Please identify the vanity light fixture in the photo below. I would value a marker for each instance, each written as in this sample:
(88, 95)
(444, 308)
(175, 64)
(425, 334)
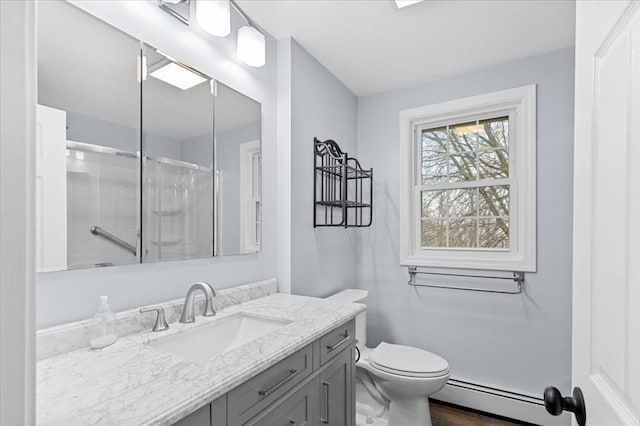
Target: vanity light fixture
(179, 9)
(177, 76)
(404, 3)
(214, 17)
(251, 46)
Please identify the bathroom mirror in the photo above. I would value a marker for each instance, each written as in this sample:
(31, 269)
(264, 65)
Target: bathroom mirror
(88, 143)
(238, 172)
(177, 171)
(125, 151)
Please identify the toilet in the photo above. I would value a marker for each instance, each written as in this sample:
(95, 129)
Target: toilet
(393, 381)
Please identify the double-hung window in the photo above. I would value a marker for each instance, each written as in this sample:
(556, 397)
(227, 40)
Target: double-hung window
(468, 183)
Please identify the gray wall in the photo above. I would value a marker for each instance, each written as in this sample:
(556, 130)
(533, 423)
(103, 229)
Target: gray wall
(72, 295)
(323, 260)
(516, 342)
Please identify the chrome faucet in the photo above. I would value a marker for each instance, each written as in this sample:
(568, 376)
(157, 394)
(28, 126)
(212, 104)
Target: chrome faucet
(189, 302)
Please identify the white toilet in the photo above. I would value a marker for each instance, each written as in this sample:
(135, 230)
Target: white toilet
(393, 381)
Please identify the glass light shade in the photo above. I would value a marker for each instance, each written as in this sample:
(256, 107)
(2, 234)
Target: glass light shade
(214, 16)
(251, 46)
(404, 3)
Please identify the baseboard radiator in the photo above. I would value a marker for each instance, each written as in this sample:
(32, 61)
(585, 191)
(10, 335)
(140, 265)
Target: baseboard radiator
(500, 402)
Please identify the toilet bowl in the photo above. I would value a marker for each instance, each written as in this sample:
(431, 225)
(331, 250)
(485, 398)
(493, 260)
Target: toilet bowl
(393, 381)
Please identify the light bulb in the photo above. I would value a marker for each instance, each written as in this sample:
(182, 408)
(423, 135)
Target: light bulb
(251, 46)
(214, 16)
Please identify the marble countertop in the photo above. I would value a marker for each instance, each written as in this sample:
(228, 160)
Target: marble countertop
(132, 383)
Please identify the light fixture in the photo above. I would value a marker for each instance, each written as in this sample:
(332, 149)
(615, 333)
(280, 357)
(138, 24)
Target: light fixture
(404, 3)
(177, 76)
(177, 8)
(214, 16)
(251, 46)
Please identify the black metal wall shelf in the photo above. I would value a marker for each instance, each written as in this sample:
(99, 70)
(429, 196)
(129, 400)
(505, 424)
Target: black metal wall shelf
(342, 189)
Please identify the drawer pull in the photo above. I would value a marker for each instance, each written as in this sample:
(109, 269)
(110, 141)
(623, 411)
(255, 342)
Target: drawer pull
(272, 389)
(325, 420)
(332, 348)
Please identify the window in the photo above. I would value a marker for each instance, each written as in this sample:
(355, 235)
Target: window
(250, 197)
(468, 182)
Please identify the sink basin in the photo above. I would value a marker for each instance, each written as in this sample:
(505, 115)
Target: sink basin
(206, 341)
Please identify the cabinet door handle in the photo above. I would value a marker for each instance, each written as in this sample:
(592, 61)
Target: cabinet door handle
(278, 385)
(332, 348)
(325, 420)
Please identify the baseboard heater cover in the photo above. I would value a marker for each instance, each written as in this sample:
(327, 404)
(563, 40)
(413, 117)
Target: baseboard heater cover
(500, 402)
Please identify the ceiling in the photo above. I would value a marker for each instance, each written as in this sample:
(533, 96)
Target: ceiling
(371, 46)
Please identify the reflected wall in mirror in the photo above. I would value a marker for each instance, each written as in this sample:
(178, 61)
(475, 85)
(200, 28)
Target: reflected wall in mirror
(87, 149)
(238, 172)
(177, 177)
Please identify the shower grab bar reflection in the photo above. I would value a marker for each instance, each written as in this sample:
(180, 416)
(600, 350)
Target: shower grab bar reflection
(96, 230)
(518, 278)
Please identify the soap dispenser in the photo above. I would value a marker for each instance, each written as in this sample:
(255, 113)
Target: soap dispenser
(103, 325)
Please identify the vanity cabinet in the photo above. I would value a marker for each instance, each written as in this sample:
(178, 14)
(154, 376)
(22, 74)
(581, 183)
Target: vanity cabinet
(300, 408)
(337, 391)
(312, 387)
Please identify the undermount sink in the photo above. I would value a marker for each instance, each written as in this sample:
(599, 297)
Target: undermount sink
(206, 341)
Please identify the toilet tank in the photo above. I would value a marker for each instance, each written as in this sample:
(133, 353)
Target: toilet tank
(355, 295)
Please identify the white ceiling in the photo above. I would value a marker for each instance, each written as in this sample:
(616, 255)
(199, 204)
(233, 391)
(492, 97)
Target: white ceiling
(371, 46)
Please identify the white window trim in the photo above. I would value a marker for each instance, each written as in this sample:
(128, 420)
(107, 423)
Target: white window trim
(249, 241)
(521, 104)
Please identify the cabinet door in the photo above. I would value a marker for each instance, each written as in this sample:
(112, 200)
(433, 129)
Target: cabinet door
(299, 409)
(202, 417)
(337, 397)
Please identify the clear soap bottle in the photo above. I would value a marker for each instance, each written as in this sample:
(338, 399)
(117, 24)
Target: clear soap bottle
(103, 325)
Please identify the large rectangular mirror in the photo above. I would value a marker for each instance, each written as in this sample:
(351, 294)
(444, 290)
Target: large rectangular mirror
(126, 142)
(177, 146)
(88, 118)
(238, 172)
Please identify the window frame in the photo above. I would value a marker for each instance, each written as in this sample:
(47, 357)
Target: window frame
(520, 105)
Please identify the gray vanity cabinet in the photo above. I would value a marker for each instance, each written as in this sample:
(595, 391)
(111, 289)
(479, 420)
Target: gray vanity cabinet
(312, 387)
(299, 409)
(337, 391)
(200, 417)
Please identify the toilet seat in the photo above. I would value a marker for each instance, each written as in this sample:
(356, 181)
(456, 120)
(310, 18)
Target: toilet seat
(407, 361)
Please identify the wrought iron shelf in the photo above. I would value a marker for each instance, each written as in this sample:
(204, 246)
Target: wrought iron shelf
(343, 190)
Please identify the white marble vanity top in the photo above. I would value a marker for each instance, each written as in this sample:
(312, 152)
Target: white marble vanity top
(132, 383)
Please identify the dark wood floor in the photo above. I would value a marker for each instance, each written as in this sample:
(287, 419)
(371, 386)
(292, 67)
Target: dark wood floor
(449, 415)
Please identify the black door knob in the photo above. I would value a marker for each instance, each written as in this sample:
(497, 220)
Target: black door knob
(555, 404)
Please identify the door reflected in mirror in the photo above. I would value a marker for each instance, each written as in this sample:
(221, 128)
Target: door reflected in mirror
(177, 145)
(87, 150)
(238, 167)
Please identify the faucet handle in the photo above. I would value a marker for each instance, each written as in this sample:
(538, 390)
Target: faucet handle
(161, 322)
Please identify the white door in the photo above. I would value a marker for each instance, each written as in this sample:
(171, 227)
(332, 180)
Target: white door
(606, 242)
(51, 189)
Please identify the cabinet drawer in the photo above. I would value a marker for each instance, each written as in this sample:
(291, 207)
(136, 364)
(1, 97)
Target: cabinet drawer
(299, 409)
(332, 343)
(251, 397)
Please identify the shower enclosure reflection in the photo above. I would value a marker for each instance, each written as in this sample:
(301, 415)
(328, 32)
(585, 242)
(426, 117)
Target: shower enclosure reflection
(87, 151)
(177, 146)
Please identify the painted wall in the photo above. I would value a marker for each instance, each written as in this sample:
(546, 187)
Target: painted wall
(516, 342)
(72, 295)
(323, 260)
